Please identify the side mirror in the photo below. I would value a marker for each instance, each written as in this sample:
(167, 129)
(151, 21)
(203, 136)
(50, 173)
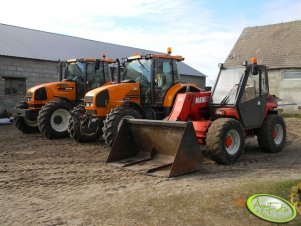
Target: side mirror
(97, 65)
(254, 69)
(123, 64)
(61, 69)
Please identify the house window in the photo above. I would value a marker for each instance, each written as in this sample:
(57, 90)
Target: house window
(14, 86)
(292, 75)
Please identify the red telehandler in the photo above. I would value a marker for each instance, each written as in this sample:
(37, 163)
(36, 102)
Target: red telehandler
(238, 107)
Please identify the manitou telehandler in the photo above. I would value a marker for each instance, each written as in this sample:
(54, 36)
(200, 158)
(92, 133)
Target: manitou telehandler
(150, 85)
(46, 107)
(239, 106)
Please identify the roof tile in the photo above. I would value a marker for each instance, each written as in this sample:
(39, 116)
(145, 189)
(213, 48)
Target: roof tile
(276, 45)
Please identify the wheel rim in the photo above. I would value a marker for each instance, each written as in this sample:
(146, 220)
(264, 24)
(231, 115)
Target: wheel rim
(277, 134)
(60, 120)
(31, 123)
(121, 120)
(232, 142)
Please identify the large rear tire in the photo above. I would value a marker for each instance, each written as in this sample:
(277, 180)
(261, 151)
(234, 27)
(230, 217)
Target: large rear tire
(53, 119)
(23, 124)
(225, 140)
(271, 136)
(83, 135)
(114, 120)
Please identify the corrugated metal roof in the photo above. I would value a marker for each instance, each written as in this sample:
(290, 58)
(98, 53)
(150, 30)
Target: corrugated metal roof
(34, 44)
(276, 45)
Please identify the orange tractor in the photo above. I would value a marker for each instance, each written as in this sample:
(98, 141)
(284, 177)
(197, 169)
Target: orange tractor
(150, 85)
(239, 106)
(46, 107)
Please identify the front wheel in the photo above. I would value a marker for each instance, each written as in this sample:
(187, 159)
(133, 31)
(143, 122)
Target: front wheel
(82, 132)
(24, 124)
(271, 136)
(225, 140)
(53, 119)
(114, 120)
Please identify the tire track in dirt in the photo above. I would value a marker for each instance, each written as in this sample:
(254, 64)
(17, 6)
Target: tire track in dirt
(59, 182)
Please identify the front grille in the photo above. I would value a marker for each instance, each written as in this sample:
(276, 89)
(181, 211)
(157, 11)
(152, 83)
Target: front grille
(40, 94)
(102, 99)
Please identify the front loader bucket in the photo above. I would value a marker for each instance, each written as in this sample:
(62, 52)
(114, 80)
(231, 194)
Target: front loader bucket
(159, 148)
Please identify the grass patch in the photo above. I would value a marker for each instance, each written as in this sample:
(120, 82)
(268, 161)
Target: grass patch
(288, 115)
(281, 188)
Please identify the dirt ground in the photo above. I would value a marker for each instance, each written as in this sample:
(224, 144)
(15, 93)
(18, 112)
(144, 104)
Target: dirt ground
(60, 182)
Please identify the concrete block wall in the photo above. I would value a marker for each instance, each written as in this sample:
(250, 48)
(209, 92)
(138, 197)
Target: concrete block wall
(34, 71)
(288, 90)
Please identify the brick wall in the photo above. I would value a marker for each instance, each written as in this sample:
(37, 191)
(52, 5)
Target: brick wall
(287, 90)
(34, 71)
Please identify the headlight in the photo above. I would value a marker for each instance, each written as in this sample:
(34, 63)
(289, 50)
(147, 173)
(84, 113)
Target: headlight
(29, 96)
(88, 104)
(219, 112)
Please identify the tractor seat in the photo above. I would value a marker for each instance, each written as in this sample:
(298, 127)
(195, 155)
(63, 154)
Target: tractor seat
(249, 93)
(161, 80)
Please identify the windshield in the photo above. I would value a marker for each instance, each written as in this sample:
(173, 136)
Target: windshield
(75, 71)
(227, 86)
(139, 71)
(95, 76)
(98, 77)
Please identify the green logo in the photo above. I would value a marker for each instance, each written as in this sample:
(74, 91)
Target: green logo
(271, 208)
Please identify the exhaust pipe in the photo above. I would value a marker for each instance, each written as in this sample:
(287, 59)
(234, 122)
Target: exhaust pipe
(160, 148)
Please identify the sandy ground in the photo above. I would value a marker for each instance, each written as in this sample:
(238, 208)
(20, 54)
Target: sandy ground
(60, 182)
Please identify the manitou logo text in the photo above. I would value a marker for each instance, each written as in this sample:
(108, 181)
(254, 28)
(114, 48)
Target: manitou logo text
(200, 100)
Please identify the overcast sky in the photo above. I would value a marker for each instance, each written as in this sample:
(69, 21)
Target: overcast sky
(202, 31)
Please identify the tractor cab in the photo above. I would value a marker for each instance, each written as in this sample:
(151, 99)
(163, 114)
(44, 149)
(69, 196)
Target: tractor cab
(87, 73)
(155, 73)
(46, 106)
(150, 84)
(241, 93)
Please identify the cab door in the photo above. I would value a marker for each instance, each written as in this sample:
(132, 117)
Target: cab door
(252, 103)
(164, 79)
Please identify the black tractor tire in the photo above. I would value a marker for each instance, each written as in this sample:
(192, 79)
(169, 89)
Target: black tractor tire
(83, 136)
(21, 123)
(223, 132)
(268, 143)
(49, 126)
(113, 122)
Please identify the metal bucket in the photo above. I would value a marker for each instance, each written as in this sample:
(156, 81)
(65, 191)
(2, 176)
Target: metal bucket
(159, 148)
